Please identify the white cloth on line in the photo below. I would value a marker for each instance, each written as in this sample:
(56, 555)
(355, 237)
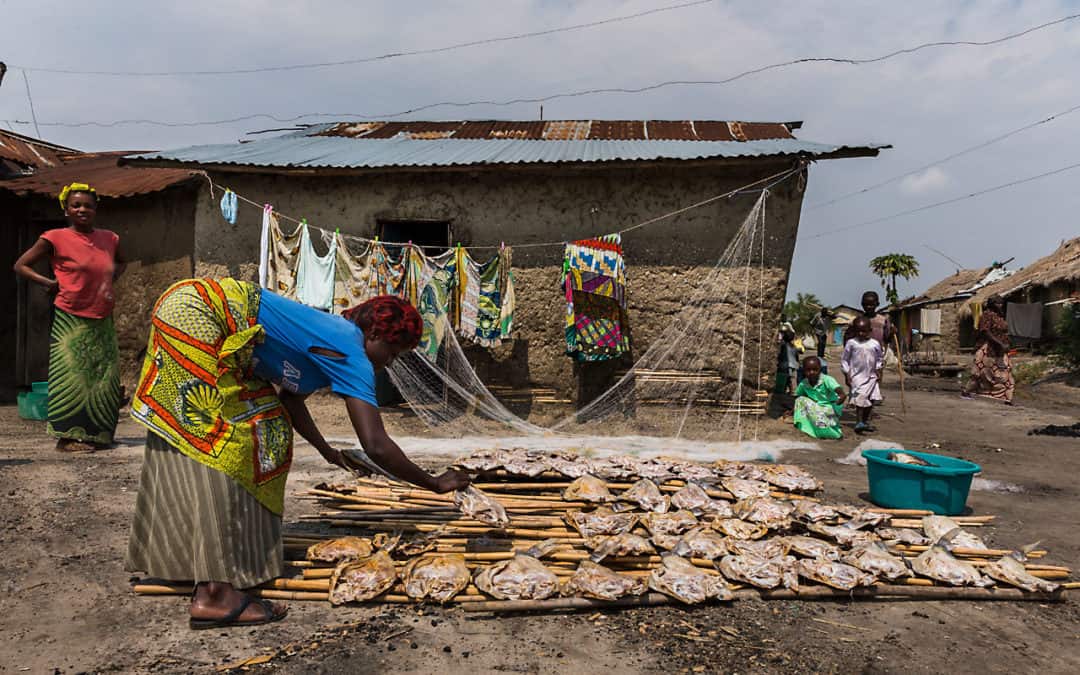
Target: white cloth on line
(930, 321)
(264, 247)
(315, 273)
(1025, 319)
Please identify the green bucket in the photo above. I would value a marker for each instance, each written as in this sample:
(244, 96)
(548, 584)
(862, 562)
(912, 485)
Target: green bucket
(39, 387)
(941, 488)
(33, 405)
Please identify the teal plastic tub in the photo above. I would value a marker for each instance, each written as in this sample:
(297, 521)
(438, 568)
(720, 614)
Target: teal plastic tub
(33, 405)
(941, 488)
(39, 387)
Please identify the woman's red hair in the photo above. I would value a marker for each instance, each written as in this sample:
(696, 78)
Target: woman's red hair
(388, 318)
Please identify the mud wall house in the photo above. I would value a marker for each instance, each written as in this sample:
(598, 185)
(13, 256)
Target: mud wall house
(484, 183)
(842, 317)
(936, 312)
(152, 210)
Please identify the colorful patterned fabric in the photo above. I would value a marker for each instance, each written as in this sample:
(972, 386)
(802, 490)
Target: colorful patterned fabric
(817, 408)
(197, 392)
(360, 278)
(991, 373)
(84, 378)
(434, 310)
(595, 285)
(283, 256)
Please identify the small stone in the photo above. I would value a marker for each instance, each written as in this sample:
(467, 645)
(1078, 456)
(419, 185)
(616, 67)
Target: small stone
(447, 649)
(464, 655)
(413, 645)
(391, 648)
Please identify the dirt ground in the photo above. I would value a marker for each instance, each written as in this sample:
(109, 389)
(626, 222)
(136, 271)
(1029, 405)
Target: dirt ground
(66, 607)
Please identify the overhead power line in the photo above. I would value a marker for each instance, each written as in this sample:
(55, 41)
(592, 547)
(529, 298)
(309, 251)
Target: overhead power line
(945, 202)
(942, 160)
(571, 94)
(368, 59)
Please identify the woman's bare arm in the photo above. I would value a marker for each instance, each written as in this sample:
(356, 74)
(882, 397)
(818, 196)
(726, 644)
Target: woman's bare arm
(305, 426)
(24, 266)
(382, 450)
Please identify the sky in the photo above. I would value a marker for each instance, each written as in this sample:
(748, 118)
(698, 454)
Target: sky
(928, 105)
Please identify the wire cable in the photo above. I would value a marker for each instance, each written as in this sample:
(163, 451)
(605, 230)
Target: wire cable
(947, 158)
(30, 98)
(945, 202)
(368, 59)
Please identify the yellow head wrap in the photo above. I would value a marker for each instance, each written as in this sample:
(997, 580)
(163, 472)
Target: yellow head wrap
(75, 187)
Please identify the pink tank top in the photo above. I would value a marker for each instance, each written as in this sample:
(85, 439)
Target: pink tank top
(83, 264)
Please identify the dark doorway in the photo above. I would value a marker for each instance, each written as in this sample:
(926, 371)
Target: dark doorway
(433, 237)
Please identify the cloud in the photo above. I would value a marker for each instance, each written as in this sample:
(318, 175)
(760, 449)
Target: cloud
(931, 180)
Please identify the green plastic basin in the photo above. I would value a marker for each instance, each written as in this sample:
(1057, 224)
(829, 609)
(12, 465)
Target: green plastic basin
(942, 488)
(33, 405)
(39, 387)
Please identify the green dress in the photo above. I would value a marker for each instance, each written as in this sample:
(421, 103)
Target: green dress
(817, 408)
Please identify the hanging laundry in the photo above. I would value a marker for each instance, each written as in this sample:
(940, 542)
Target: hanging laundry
(283, 253)
(228, 206)
(361, 277)
(495, 311)
(264, 246)
(467, 293)
(315, 273)
(1025, 319)
(435, 298)
(595, 284)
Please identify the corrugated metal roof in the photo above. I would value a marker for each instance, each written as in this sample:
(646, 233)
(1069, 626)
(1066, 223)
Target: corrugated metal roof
(100, 171)
(315, 149)
(30, 152)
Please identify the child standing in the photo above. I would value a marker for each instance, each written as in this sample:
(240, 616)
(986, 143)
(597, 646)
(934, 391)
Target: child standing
(818, 403)
(787, 362)
(862, 362)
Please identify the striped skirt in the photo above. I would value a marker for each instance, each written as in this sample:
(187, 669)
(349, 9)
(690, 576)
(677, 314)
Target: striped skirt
(193, 523)
(84, 378)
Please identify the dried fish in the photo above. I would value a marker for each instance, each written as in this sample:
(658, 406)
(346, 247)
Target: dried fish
(949, 533)
(596, 581)
(362, 580)
(421, 543)
(739, 529)
(645, 494)
(760, 572)
(680, 579)
(937, 563)
(903, 535)
(1010, 569)
(475, 504)
(772, 513)
(694, 499)
(790, 477)
(834, 574)
(675, 522)
(866, 517)
(744, 488)
(738, 469)
(813, 512)
(841, 534)
(527, 464)
(812, 547)
(438, 577)
(655, 470)
(775, 547)
(523, 577)
(618, 545)
(601, 520)
(337, 550)
(701, 542)
(588, 488)
(905, 458)
(571, 467)
(612, 468)
(874, 558)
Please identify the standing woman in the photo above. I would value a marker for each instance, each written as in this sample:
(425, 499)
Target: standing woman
(228, 368)
(84, 374)
(991, 371)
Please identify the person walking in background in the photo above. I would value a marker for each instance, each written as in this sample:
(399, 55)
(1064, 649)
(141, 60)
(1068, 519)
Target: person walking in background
(819, 325)
(819, 400)
(862, 363)
(991, 371)
(84, 372)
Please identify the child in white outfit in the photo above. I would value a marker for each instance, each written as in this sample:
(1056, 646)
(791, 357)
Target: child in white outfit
(861, 363)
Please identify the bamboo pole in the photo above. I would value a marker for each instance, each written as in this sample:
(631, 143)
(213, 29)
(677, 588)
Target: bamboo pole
(900, 370)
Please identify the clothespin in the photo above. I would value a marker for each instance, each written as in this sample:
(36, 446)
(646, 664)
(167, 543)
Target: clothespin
(502, 245)
(337, 230)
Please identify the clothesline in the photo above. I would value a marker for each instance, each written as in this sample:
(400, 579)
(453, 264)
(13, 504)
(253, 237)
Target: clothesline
(749, 188)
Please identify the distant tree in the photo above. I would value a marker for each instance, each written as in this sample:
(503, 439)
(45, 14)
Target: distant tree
(1066, 349)
(801, 310)
(893, 265)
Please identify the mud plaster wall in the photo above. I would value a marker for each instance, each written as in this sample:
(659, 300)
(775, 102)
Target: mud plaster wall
(156, 237)
(521, 206)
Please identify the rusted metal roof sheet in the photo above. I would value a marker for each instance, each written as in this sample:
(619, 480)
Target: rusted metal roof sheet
(566, 130)
(100, 170)
(30, 152)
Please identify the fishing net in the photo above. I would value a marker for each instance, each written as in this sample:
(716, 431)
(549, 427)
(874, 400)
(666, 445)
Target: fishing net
(699, 379)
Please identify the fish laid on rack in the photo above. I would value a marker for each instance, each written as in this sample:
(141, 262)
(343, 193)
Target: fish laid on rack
(835, 574)
(362, 580)
(760, 572)
(421, 543)
(475, 504)
(813, 512)
(523, 577)
(691, 471)
(483, 460)
(773, 547)
(666, 528)
(867, 518)
(937, 563)
(341, 549)
(613, 468)
(772, 513)
(1010, 569)
(679, 578)
(601, 521)
(874, 558)
(646, 495)
(568, 464)
(791, 478)
(728, 468)
(694, 499)
(903, 535)
(588, 488)
(618, 545)
(655, 470)
(744, 488)
(525, 463)
(438, 577)
(813, 547)
(842, 534)
(739, 529)
(701, 542)
(948, 532)
(596, 581)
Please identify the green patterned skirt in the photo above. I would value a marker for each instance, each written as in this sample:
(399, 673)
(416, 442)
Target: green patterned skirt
(84, 378)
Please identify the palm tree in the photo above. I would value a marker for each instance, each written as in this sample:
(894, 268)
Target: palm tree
(893, 265)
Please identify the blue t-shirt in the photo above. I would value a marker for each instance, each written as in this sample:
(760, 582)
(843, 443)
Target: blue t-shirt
(285, 359)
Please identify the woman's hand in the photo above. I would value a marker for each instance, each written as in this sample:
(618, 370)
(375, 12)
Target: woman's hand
(451, 480)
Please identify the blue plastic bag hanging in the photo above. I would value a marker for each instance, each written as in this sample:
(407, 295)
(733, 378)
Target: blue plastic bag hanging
(228, 206)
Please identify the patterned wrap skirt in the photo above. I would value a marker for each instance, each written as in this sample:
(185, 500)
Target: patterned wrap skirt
(84, 378)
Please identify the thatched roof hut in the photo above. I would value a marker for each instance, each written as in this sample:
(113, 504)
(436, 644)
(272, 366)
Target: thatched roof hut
(1055, 277)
